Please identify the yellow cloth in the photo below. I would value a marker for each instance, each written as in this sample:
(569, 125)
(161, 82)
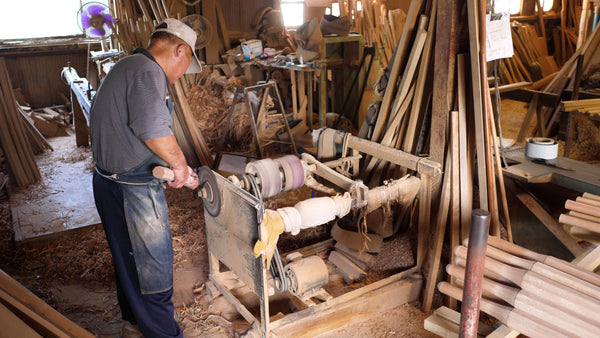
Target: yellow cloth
(271, 227)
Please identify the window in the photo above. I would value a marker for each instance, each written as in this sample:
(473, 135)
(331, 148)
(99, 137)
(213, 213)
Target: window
(292, 12)
(40, 18)
(514, 6)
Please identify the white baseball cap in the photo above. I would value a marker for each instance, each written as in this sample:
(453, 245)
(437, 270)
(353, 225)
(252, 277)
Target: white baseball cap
(185, 33)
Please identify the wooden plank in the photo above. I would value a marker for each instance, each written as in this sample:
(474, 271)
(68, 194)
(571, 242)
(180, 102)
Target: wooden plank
(13, 326)
(445, 322)
(444, 69)
(466, 165)
(455, 193)
(417, 111)
(223, 26)
(49, 320)
(501, 179)
(550, 223)
(390, 90)
(200, 145)
(350, 271)
(589, 259)
(531, 110)
(212, 49)
(572, 174)
(294, 94)
(438, 238)
(376, 297)
(503, 331)
(477, 102)
(364, 257)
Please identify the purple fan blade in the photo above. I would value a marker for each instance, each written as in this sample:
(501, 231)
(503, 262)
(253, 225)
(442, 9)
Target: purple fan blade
(108, 18)
(94, 9)
(97, 32)
(85, 21)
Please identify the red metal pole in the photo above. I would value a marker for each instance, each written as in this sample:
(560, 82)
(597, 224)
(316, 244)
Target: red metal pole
(469, 315)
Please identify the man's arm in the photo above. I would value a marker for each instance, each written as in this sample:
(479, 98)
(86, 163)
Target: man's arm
(168, 149)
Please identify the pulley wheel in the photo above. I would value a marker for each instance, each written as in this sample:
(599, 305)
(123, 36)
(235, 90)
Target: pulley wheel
(209, 191)
(288, 175)
(297, 171)
(267, 172)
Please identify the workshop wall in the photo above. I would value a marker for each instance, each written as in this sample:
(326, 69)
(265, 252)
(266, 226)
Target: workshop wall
(37, 71)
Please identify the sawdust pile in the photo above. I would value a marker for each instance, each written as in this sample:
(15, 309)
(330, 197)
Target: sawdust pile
(210, 104)
(586, 145)
(83, 256)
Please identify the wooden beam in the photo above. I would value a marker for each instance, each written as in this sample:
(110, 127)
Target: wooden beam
(477, 102)
(42, 315)
(444, 68)
(435, 252)
(212, 49)
(564, 237)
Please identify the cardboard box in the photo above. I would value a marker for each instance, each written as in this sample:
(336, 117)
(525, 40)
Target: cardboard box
(252, 49)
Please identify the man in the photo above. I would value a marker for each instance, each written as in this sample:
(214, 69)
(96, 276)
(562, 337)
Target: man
(130, 131)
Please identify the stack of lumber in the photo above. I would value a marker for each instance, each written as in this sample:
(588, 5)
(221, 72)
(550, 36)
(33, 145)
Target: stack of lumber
(590, 106)
(571, 34)
(379, 26)
(13, 135)
(535, 294)
(37, 140)
(427, 97)
(22, 314)
(352, 264)
(530, 61)
(50, 122)
(567, 76)
(583, 217)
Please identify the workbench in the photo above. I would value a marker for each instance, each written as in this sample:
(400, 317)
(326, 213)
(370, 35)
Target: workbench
(568, 173)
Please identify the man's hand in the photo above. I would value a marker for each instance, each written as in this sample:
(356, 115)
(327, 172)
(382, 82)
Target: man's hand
(181, 178)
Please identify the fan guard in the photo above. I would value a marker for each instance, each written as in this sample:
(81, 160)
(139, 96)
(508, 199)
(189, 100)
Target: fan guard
(94, 20)
(202, 27)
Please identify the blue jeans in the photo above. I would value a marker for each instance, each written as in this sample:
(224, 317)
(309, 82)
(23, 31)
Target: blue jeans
(136, 223)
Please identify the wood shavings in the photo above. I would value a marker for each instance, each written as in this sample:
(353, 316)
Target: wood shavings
(210, 109)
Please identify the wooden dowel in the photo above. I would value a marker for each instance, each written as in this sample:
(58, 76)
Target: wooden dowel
(589, 201)
(513, 318)
(582, 207)
(591, 196)
(542, 287)
(579, 222)
(584, 216)
(544, 311)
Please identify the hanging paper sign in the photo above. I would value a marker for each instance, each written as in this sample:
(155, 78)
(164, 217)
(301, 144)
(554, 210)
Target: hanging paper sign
(498, 40)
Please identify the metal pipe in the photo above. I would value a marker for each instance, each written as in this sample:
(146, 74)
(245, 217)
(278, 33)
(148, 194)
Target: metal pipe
(469, 316)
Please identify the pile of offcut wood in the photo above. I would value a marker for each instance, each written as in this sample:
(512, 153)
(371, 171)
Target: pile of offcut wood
(14, 138)
(51, 121)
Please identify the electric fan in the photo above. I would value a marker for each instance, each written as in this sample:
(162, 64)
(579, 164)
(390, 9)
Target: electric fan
(202, 27)
(94, 20)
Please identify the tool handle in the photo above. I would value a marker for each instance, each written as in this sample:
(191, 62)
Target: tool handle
(166, 174)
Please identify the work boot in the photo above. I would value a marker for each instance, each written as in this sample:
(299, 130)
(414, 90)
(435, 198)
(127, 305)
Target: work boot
(130, 331)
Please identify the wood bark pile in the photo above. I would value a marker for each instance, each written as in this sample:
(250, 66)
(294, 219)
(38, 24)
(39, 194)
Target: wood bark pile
(537, 295)
(14, 139)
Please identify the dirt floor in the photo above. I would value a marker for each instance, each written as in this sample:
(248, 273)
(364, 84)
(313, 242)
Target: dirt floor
(72, 271)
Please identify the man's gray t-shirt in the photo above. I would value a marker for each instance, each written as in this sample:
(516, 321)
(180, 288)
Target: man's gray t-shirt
(128, 109)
